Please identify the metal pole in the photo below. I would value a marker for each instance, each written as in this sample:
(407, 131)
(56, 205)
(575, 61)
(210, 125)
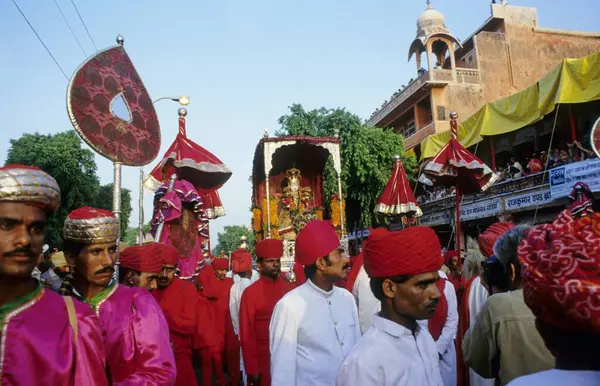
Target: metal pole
(117, 209)
(341, 207)
(141, 207)
(268, 208)
(161, 226)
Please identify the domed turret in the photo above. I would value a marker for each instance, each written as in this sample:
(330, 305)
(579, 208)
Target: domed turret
(431, 25)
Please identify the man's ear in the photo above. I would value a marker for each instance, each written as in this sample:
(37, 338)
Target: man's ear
(70, 258)
(512, 272)
(130, 276)
(388, 288)
(321, 264)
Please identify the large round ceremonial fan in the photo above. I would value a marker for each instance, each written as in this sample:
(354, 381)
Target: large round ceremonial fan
(111, 109)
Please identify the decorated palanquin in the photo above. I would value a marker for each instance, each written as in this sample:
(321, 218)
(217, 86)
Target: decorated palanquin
(287, 188)
(186, 183)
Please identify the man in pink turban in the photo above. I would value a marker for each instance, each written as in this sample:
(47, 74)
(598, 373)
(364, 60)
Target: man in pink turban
(561, 282)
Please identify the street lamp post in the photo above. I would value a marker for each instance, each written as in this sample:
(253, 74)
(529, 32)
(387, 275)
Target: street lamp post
(183, 101)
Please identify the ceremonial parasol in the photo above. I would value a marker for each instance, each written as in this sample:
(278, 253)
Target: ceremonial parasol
(456, 166)
(190, 162)
(595, 137)
(397, 198)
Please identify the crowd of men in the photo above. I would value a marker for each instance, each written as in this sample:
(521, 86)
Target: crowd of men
(404, 315)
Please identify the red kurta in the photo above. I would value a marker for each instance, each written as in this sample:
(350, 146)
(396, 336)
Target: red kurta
(257, 305)
(179, 304)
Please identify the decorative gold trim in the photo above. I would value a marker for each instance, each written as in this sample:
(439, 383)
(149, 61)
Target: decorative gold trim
(92, 231)
(5, 323)
(29, 185)
(97, 307)
(399, 209)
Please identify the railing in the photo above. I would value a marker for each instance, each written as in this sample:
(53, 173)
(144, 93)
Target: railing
(441, 75)
(467, 75)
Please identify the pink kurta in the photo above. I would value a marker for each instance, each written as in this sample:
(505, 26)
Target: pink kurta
(137, 343)
(37, 346)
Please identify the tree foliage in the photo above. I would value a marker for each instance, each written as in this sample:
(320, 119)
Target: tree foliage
(229, 239)
(74, 168)
(366, 157)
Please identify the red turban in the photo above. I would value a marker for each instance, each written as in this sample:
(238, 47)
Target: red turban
(141, 258)
(560, 266)
(411, 251)
(269, 249)
(220, 263)
(488, 238)
(169, 255)
(317, 239)
(241, 261)
(448, 256)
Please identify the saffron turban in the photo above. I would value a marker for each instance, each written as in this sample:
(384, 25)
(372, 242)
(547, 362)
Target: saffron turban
(408, 252)
(241, 261)
(448, 256)
(560, 266)
(169, 255)
(89, 225)
(488, 238)
(141, 258)
(220, 263)
(317, 239)
(28, 184)
(269, 249)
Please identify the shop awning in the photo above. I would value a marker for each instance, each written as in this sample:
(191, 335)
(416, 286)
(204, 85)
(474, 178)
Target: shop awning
(572, 81)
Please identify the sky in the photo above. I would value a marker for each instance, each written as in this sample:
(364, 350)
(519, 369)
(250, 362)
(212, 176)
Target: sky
(242, 63)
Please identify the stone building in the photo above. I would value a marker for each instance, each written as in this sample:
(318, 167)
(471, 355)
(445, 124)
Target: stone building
(508, 53)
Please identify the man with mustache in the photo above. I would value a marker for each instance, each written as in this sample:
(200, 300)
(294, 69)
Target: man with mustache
(397, 350)
(135, 329)
(33, 319)
(314, 326)
(139, 266)
(257, 305)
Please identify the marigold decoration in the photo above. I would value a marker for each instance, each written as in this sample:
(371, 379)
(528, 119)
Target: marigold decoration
(320, 214)
(335, 212)
(256, 219)
(274, 219)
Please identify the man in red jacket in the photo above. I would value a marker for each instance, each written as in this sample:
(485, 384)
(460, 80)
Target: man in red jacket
(258, 303)
(178, 300)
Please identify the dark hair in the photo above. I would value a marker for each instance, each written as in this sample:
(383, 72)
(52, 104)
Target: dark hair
(259, 260)
(377, 285)
(494, 274)
(123, 271)
(73, 247)
(311, 270)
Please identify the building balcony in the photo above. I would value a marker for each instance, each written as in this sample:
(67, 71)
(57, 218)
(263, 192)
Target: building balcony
(398, 99)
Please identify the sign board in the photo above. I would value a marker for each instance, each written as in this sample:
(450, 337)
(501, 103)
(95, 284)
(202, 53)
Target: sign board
(563, 178)
(528, 199)
(435, 218)
(481, 209)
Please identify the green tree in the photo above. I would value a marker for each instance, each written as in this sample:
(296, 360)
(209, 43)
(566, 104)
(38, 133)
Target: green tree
(74, 168)
(229, 239)
(366, 157)
(131, 234)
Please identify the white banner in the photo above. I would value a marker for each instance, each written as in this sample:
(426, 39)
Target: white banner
(563, 178)
(435, 218)
(527, 199)
(481, 209)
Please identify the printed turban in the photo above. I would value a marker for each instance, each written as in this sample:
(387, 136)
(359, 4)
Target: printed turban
(408, 252)
(141, 258)
(488, 238)
(269, 249)
(317, 239)
(169, 255)
(241, 261)
(27, 184)
(560, 266)
(220, 263)
(91, 226)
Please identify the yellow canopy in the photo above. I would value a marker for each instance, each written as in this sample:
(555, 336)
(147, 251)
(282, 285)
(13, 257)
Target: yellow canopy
(572, 81)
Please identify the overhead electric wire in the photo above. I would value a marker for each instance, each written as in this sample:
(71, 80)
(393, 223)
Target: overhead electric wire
(40, 39)
(70, 29)
(84, 26)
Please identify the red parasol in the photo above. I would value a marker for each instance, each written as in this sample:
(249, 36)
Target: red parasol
(397, 197)
(456, 166)
(190, 162)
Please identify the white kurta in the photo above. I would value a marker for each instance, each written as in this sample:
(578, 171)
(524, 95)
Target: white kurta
(235, 300)
(367, 303)
(445, 343)
(556, 377)
(311, 332)
(390, 355)
(236, 278)
(477, 297)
